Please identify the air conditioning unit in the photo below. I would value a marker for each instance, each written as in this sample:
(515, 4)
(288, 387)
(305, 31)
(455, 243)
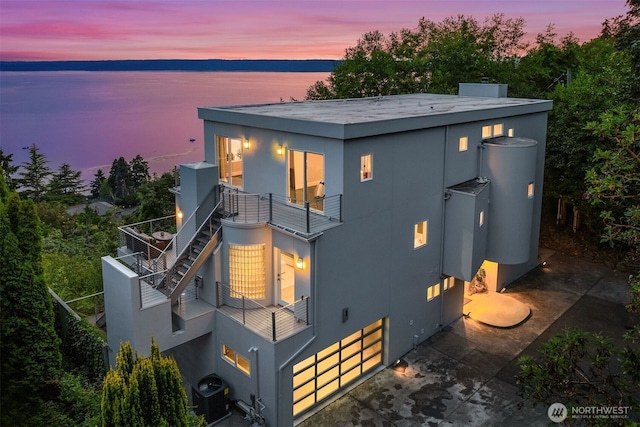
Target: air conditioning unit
(211, 398)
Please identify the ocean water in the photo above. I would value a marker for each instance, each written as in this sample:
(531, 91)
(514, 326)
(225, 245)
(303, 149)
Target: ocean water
(87, 119)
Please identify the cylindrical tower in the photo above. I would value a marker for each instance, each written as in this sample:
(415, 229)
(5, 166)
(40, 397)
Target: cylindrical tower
(510, 164)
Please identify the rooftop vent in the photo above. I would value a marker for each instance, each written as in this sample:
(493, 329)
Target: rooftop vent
(484, 89)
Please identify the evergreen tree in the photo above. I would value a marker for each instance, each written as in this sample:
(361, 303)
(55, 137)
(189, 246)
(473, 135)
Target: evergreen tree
(145, 391)
(66, 186)
(119, 179)
(138, 172)
(31, 360)
(96, 184)
(33, 181)
(8, 169)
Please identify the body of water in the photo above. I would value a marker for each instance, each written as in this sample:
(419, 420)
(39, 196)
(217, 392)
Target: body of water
(87, 119)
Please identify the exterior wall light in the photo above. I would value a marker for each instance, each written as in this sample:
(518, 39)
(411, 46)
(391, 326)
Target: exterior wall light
(179, 214)
(246, 144)
(300, 263)
(280, 150)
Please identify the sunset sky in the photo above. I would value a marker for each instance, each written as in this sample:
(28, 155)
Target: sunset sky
(34, 30)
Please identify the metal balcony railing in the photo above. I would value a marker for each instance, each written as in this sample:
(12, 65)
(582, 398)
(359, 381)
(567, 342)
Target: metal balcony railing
(301, 217)
(272, 322)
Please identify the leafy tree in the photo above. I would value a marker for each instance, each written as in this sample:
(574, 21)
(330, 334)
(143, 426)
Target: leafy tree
(8, 169)
(96, 185)
(434, 57)
(155, 199)
(31, 360)
(66, 186)
(33, 181)
(578, 368)
(614, 186)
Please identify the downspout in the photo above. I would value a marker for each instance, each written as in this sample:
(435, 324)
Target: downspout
(312, 275)
(445, 197)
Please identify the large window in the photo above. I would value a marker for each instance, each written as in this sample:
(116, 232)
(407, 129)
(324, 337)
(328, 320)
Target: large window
(247, 271)
(230, 160)
(319, 376)
(306, 179)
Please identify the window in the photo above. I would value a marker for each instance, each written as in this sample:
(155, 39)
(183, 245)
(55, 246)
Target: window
(247, 271)
(236, 360)
(510, 132)
(449, 283)
(366, 169)
(420, 234)
(481, 219)
(491, 131)
(306, 179)
(463, 143)
(230, 160)
(433, 291)
(530, 190)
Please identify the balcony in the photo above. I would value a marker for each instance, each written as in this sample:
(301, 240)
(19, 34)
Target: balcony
(306, 219)
(272, 322)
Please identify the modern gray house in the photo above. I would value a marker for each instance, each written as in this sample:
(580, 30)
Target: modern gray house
(319, 241)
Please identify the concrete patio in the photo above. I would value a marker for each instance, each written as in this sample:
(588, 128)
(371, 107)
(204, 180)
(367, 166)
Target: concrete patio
(465, 375)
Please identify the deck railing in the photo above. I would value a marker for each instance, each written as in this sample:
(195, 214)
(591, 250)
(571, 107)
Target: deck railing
(306, 217)
(272, 322)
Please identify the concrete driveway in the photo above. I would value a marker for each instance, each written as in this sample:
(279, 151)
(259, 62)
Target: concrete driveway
(465, 375)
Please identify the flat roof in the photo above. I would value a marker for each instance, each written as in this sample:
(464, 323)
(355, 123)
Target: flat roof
(359, 117)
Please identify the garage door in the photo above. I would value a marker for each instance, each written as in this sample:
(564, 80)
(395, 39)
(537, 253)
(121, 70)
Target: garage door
(321, 375)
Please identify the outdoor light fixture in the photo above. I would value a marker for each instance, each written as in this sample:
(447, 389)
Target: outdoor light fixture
(280, 150)
(246, 144)
(300, 263)
(179, 214)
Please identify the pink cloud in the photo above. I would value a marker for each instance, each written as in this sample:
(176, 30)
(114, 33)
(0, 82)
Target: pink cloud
(114, 29)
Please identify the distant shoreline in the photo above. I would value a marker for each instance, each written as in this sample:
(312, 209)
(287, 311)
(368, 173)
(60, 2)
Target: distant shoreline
(264, 65)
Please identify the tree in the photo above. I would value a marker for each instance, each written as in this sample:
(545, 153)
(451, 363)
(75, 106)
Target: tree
(145, 391)
(434, 57)
(96, 185)
(33, 181)
(138, 172)
(31, 360)
(119, 179)
(66, 186)
(155, 199)
(8, 169)
(614, 186)
(581, 369)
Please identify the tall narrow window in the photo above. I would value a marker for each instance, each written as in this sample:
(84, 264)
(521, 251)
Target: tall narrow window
(510, 132)
(420, 234)
(247, 271)
(497, 129)
(463, 143)
(230, 160)
(481, 219)
(366, 167)
(530, 190)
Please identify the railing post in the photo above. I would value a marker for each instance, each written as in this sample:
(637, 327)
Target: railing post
(340, 207)
(306, 207)
(270, 207)
(243, 312)
(306, 315)
(273, 325)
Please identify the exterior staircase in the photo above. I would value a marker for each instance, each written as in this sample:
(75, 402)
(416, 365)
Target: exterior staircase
(187, 264)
